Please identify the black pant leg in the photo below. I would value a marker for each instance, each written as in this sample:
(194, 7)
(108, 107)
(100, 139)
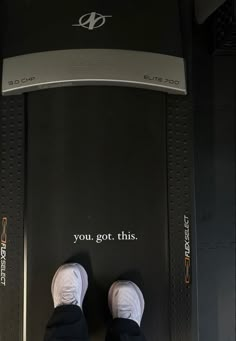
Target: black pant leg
(67, 323)
(124, 330)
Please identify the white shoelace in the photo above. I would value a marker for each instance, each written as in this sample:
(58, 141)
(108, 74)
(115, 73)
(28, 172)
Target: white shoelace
(123, 310)
(68, 296)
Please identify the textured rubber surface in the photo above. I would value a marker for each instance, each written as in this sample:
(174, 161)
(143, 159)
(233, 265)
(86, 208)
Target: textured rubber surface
(180, 202)
(11, 206)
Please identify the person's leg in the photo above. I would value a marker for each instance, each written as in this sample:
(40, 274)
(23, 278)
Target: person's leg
(67, 323)
(126, 304)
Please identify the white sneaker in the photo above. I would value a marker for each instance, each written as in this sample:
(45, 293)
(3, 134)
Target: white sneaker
(69, 285)
(126, 300)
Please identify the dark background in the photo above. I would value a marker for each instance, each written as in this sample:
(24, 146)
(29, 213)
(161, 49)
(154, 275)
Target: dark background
(215, 110)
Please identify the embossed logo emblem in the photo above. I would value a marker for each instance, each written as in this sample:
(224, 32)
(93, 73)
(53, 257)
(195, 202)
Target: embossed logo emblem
(92, 20)
(3, 249)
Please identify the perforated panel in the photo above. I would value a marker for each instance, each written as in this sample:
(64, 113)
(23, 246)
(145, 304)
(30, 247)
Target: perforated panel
(11, 207)
(179, 146)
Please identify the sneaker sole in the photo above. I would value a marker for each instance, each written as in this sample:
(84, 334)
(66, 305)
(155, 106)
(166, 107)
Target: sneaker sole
(83, 275)
(136, 288)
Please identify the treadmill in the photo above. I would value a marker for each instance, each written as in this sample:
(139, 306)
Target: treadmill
(96, 160)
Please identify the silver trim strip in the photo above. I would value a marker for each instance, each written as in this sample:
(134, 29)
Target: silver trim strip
(93, 67)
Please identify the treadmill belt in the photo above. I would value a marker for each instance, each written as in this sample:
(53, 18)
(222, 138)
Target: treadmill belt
(96, 168)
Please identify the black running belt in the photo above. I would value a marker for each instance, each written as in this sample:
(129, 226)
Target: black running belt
(97, 170)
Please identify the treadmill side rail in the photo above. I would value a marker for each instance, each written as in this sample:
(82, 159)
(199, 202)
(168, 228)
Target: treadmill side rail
(61, 68)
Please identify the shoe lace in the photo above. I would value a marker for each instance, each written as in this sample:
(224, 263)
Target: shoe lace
(68, 296)
(124, 311)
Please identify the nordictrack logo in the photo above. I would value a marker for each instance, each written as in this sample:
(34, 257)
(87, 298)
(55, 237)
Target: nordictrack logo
(187, 249)
(92, 21)
(3, 251)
